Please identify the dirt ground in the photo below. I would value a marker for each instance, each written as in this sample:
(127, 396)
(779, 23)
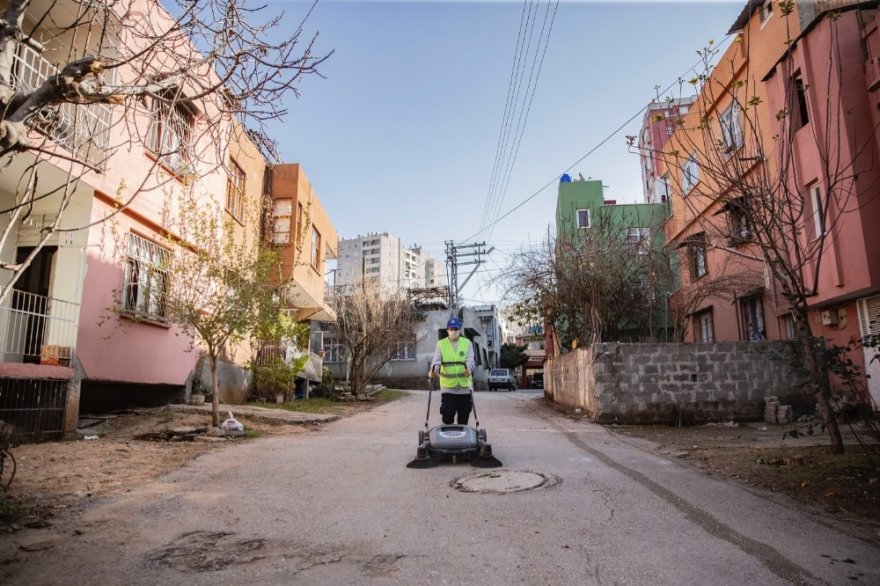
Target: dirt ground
(57, 479)
(54, 478)
(847, 485)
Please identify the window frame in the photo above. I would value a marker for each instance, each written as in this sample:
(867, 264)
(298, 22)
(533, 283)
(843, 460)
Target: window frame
(800, 102)
(641, 244)
(315, 249)
(751, 308)
(334, 350)
(404, 348)
(818, 210)
(731, 128)
(697, 251)
(235, 190)
(690, 174)
(172, 117)
(741, 229)
(281, 218)
(703, 334)
(766, 12)
(145, 279)
(589, 218)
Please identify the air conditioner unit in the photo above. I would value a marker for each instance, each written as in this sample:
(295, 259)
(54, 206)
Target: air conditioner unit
(829, 318)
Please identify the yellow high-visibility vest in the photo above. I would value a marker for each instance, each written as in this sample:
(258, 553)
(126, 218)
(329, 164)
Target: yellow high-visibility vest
(452, 375)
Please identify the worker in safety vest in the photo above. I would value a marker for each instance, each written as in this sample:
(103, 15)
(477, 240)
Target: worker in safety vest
(454, 361)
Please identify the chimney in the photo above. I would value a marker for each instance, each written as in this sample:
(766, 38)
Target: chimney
(610, 202)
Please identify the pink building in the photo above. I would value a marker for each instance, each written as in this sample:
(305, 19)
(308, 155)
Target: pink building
(813, 112)
(658, 125)
(85, 324)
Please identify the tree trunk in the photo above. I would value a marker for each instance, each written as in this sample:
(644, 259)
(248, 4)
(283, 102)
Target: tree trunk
(215, 395)
(822, 392)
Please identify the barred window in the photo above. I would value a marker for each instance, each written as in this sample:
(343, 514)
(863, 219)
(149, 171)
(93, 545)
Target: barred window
(146, 278)
(170, 132)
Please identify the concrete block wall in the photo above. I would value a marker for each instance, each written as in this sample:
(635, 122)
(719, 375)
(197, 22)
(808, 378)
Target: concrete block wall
(675, 383)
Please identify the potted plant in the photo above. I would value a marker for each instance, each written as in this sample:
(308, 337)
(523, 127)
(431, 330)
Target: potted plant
(273, 380)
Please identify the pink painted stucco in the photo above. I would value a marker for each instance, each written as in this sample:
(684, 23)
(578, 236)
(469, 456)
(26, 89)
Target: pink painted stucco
(112, 348)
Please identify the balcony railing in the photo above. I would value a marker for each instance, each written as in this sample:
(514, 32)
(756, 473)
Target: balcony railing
(84, 130)
(37, 329)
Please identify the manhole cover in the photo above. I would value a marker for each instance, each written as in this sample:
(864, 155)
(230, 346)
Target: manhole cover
(504, 481)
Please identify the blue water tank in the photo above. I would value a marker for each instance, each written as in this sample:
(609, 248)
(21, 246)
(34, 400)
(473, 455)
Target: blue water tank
(566, 178)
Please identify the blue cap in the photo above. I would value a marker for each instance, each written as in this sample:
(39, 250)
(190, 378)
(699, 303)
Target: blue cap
(453, 322)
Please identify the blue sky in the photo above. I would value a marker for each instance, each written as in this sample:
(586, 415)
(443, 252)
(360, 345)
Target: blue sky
(401, 136)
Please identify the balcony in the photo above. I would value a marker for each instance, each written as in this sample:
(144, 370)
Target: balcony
(37, 329)
(84, 130)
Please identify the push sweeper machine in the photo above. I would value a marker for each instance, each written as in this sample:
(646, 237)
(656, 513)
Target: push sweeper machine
(453, 441)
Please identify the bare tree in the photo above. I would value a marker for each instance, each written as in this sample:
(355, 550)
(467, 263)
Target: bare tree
(213, 280)
(83, 81)
(600, 284)
(742, 184)
(370, 324)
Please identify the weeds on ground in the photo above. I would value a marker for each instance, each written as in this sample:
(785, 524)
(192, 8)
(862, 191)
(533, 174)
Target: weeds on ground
(325, 406)
(12, 509)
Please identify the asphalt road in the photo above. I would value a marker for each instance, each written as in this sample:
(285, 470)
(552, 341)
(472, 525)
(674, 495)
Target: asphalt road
(338, 506)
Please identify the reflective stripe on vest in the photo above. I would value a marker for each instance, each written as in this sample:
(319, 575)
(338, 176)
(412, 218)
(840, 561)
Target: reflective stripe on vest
(452, 375)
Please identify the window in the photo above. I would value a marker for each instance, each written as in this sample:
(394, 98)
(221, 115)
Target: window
(170, 131)
(146, 278)
(583, 218)
(281, 213)
(235, 191)
(697, 255)
(704, 326)
(766, 11)
(752, 308)
(315, 256)
(661, 189)
(638, 240)
(405, 348)
(731, 128)
(333, 350)
(689, 174)
(801, 113)
(739, 222)
(300, 215)
(818, 210)
(788, 329)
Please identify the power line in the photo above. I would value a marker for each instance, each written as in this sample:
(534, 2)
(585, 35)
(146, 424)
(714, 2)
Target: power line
(507, 149)
(521, 123)
(590, 152)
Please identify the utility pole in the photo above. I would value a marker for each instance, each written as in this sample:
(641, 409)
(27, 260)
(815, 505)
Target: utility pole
(453, 254)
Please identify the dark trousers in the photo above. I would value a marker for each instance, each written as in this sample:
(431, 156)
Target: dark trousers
(452, 405)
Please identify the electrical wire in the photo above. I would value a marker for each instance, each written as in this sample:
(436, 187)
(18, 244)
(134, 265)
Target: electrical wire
(590, 152)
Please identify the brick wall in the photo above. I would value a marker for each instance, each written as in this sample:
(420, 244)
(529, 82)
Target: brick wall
(675, 383)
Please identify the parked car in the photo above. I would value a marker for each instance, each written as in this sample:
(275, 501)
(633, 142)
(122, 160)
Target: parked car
(501, 378)
(538, 380)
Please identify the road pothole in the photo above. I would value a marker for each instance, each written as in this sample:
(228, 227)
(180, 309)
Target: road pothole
(504, 481)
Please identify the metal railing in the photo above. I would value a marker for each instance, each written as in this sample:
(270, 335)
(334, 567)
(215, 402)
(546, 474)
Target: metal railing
(82, 129)
(37, 329)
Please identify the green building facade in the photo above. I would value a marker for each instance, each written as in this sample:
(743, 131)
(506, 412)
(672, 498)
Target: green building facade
(581, 209)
